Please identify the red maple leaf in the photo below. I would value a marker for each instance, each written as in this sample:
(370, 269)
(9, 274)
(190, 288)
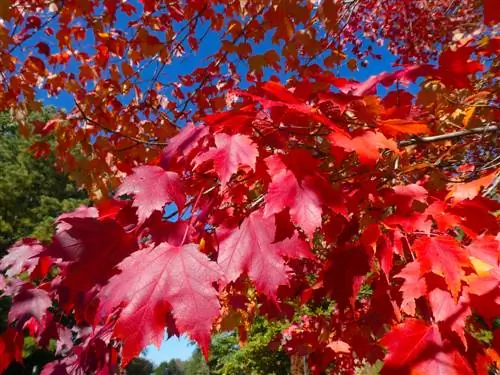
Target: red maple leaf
(29, 302)
(487, 249)
(153, 188)
(455, 67)
(448, 313)
(367, 145)
(443, 256)
(229, 153)
(414, 286)
(469, 190)
(303, 198)
(156, 281)
(92, 248)
(251, 249)
(182, 143)
(22, 256)
(408, 340)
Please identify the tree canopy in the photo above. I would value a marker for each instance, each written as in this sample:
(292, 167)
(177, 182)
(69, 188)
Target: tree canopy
(331, 165)
(32, 192)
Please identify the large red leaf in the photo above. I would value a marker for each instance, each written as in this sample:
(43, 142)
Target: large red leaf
(445, 362)
(285, 191)
(229, 153)
(182, 143)
(408, 340)
(469, 190)
(487, 249)
(443, 256)
(450, 314)
(251, 249)
(455, 67)
(92, 248)
(156, 281)
(153, 187)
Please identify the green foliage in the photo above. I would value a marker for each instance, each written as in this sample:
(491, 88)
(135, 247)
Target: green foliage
(196, 365)
(139, 366)
(256, 357)
(32, 192)
(172, 367)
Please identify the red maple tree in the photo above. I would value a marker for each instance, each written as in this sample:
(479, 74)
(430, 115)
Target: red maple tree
(214, 203)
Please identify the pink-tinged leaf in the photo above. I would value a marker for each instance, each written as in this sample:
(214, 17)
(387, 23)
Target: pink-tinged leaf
(153, 188)
(156, 281)
(251, 249)
(367, 145)
(443, 256)
(405, 195)
(408, 340)
(339, 346)
(450, 314)
(22, 256)
(485, 248)
(469, 190)
(406, 75)
(230, 152)
(182, 143)
(445, 362)
(302, 198)
(28, 303)
(92, 248)
(414, 286)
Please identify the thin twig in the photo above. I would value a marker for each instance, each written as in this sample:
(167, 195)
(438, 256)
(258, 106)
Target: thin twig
(132, 138)
(446, 136)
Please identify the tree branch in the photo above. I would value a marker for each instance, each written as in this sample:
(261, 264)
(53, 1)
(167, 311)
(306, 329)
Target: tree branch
(132, 138)
(443, 137)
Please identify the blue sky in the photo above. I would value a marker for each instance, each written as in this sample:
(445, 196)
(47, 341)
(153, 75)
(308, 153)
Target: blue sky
(173, 348)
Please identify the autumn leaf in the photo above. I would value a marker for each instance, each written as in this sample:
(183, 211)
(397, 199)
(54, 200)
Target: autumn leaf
(469, 190)
(229, 154)
(22, 256)
(251, 249)
(408, 340)
(414, 286)
(153, 188)
(301, 197)
(450, 314)
(443, 256)
(367, 145)
(29, 303)
(156, 281)
(395, 127)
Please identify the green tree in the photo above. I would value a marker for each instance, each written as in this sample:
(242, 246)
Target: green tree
(196, 365)
(32, 192)
(255, 357)
(172, 367)
(139, 366)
